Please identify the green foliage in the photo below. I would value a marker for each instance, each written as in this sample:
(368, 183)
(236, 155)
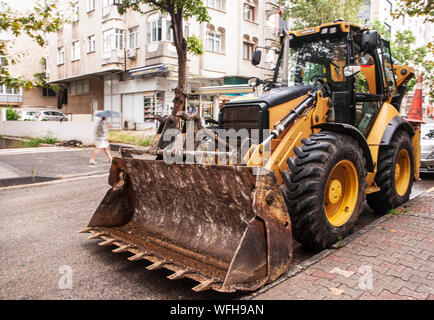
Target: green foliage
(130, 138)
(44, 18)
(403, 50)
(310, 13)
(48, 139)
(415, 8)
(11, 114)
(194, 45)
(41, 78)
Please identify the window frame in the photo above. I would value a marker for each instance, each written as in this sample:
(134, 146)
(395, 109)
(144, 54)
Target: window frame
(215, 37)
(251, 10)
(91, 43)
(90, 5)
(250, 49)
(158, 24)
(75, 50)
(60, 54)
(133, 32)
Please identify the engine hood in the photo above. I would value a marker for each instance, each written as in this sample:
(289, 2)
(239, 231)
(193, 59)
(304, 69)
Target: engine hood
(273, 97)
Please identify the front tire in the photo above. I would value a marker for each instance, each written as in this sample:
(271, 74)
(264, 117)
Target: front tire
(394, 174)
(325, 188)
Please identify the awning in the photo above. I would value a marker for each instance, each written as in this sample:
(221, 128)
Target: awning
(148, 70)
(227, 89)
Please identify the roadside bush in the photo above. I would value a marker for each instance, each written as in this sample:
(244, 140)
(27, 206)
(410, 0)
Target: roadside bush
(11, 114)
(130, 138)
(48, 139)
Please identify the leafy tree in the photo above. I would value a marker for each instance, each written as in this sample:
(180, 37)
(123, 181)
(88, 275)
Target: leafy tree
(415, 8)
(41, 77)
(42, 19)
(310, 13)
(403, 50)
(178, 10)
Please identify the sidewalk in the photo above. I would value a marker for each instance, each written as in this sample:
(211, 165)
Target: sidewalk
(392, 259)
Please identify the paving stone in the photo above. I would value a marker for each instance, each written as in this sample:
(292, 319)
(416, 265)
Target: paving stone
(401, 262)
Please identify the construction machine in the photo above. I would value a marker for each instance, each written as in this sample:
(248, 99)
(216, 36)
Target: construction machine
(328, 134)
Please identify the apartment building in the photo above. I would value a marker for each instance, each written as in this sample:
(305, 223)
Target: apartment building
(127, 63)
(28, 55)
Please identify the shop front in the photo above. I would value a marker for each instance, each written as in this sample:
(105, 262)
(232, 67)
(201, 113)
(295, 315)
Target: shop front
(209, 100)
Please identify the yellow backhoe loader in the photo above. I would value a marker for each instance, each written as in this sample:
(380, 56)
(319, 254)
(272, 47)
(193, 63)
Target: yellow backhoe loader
(324, 134)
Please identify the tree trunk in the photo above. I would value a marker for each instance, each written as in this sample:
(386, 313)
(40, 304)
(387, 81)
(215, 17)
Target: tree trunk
(180, 94)
(181, 50)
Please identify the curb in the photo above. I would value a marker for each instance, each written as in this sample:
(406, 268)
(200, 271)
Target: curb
(57, 181)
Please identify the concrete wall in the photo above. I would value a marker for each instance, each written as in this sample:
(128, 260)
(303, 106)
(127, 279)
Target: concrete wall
(83, 131)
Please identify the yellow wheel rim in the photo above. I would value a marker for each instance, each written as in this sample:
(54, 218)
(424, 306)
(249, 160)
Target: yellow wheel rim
(402, 172)
(341, 193)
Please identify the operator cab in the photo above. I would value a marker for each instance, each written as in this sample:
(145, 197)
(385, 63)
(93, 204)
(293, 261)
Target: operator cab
(353, 67)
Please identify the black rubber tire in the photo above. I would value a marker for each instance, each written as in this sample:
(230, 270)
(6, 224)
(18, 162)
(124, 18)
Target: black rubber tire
(387, 198)
(305, 184)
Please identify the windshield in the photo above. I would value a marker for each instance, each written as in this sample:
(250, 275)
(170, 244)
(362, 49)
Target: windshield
(309, 61)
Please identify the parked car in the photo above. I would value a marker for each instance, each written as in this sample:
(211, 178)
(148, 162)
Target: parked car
(50, 115)
(427, 148)
(27, 115)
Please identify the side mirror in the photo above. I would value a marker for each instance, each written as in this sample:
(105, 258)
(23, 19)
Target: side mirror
(350, 71)
(369, 41)
(256, 58)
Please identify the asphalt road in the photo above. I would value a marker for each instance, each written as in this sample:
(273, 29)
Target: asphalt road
(38, 238)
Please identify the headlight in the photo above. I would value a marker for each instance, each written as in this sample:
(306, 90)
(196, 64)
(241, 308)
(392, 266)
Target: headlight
(254, 82)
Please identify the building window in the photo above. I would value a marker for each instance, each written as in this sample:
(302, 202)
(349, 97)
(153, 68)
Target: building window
(215, 4)
(213, 42)
(113, 39)
(47, 92)
(75, 51)
(134, 37)
(249, 12)
(120, 39)
(6, 90)
(90, 5)
(91, 44)
(247, 50)
(60, 55)
(169, 32)
(153, 33)
(75, 12)
(79, 87)
(107, 39)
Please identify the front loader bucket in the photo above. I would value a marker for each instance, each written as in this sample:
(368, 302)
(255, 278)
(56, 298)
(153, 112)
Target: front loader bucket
(223, 226)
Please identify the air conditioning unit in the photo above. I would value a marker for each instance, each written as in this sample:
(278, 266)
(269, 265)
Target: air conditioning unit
(131, 53)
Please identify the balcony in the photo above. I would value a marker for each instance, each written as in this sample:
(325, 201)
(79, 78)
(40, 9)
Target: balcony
(113, 59)
(11, 98)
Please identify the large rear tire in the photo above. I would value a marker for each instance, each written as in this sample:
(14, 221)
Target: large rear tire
(394, 174)
(325, 188)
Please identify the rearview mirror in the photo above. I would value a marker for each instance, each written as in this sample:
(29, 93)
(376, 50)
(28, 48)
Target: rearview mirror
(370, 41)
(256, 58)
(350, 71)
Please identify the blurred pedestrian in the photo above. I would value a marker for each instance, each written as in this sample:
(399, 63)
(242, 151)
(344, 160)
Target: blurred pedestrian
(101, 141)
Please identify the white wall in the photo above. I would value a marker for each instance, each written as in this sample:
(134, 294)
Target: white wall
(83, 131)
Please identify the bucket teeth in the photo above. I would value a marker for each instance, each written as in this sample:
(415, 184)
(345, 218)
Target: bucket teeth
(204, 285)
(106, 242)
(137, 256)
(122, 249)
(85, 230)
(156, 265)
(178, 274)
(96, 235)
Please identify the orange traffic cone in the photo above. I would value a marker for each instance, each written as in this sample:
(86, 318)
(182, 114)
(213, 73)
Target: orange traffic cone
(415, 112)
